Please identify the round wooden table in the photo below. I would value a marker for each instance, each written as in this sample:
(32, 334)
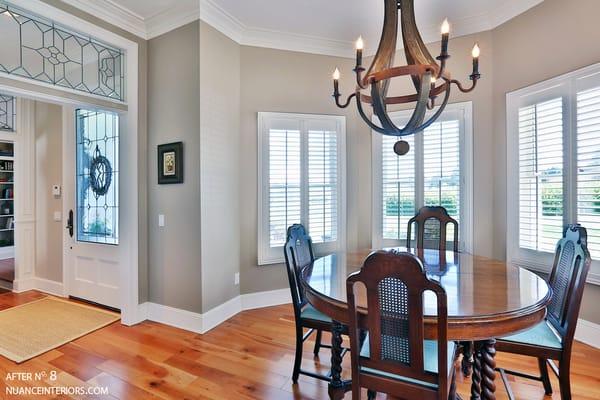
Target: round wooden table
(486, 299)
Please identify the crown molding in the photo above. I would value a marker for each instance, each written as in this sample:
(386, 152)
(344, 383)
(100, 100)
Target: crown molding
(112, 13)
(171, 19)
(232, 27)
(145, 28)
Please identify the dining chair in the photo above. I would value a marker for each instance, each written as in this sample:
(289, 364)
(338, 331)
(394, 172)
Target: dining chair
(298, 254)
(432, 223)
(552, 339)
(395, 358)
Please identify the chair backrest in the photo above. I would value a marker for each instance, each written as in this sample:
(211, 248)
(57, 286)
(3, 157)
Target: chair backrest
(432, 224)
(571, 265)
(298, 254)
(395, 284)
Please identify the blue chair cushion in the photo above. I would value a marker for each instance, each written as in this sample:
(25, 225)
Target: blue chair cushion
(539, 335)
(430, 361)
(309, 312)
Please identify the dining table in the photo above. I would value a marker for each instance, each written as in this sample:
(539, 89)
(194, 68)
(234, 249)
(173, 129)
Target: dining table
(487, 299)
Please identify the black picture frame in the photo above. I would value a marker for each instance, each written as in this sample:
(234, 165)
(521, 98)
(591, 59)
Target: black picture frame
(170, 163)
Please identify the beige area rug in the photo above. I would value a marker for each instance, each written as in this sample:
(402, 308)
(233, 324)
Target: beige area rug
(34, 328)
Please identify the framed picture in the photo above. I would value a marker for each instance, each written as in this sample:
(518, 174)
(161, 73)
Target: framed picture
(170, 163)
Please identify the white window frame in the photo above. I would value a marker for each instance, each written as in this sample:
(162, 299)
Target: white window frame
(462, 110)
(274, 255)
(566, 86)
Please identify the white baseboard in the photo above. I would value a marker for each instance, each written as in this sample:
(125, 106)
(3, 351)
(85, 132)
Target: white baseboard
(220, 314)
(23, 285)
(50, 287)
(202, 323)
(173, 316)
(588, 333)
(271, 298)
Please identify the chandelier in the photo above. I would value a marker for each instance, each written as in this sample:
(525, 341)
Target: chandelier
(430, 78)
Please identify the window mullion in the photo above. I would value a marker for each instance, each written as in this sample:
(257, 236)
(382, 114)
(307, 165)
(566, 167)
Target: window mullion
(419, 171)
(570, 157)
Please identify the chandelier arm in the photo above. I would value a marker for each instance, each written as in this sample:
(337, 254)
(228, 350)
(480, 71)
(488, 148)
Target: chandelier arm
(359, 78)
(347, 103)
(437, 114)
(465, 90)
(361, 112)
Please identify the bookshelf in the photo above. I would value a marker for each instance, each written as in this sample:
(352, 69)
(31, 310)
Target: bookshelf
(7, 200)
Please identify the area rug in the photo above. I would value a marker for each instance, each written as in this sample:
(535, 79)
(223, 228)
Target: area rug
(34, 328)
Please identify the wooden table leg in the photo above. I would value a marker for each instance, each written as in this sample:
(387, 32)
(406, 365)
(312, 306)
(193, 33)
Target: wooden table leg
(484, 371)
(337, 386)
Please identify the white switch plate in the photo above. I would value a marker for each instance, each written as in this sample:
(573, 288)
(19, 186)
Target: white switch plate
(161, 220)
(236, 278)
(57, 216)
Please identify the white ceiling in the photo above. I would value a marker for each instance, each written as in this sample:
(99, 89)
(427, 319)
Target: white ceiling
(316, 26)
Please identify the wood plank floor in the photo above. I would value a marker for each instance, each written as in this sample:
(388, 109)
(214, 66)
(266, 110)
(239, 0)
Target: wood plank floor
(248, 357)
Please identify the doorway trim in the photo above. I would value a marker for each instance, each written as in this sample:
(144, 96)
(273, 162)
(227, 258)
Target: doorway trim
(129, 201)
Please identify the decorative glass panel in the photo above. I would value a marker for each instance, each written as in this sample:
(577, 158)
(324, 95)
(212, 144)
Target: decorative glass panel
(38, 49)
(97, 176)
(7, 113)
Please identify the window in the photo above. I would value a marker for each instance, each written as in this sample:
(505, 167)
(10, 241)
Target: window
(301, 180)
(97, 176)
(553, 166)
(436, 171)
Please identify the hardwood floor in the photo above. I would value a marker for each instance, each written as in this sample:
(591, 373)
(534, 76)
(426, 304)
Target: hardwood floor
(248, 357)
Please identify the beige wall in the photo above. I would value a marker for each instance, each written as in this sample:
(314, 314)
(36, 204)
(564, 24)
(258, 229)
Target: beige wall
(219, 169)
(274, 80)
(174, 275)
(551, 39)
(48, 172)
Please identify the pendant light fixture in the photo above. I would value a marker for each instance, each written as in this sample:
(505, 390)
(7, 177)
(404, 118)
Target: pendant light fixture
(430, 78)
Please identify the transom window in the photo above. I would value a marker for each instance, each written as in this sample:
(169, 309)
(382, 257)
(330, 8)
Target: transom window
(301, 174)
(436, 171)
(553, 161)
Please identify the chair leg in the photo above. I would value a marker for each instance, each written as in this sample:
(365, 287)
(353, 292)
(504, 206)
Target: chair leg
(318, 342)
(298, 358)
(467, 360)
(371, 394)
(544, 375)
(565, 380)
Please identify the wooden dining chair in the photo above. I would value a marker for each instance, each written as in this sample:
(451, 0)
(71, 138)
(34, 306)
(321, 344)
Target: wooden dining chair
(298, 254)
(432, 224)
(395, 358)
(552, 339)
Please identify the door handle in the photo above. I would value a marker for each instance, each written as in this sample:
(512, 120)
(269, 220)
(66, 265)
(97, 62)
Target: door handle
(70, 223)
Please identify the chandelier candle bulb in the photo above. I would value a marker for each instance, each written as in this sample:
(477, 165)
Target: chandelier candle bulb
(475, 53)
(359, 51)
(445, 37)
(336, 83)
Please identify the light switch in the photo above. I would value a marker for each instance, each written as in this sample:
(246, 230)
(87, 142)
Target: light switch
(161, 220)
(57, 216)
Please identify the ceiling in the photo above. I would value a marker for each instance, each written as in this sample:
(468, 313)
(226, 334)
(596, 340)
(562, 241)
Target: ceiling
(315, 26)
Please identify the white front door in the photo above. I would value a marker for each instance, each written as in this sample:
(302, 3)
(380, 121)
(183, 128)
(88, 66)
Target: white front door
(91, 206)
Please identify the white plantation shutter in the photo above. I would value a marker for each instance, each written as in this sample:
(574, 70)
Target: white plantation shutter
(541, 199)
(588, 166)
(441, 168)
(432, 173)
(398, 188)
(300, 173)
(322, 185)
(284, 183)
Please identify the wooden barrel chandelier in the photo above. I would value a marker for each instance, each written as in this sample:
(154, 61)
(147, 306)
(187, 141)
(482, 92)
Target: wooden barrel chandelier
(430, 78)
